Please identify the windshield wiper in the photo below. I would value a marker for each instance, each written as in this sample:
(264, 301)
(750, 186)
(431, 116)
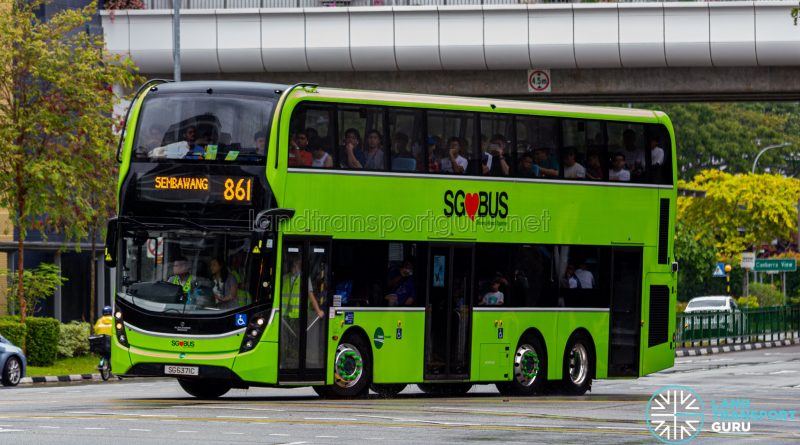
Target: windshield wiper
(196, 225)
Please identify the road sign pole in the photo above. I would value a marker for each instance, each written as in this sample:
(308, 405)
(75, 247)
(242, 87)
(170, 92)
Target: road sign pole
(783, 284)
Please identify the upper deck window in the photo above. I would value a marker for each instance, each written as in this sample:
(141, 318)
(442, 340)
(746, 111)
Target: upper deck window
(222, 128)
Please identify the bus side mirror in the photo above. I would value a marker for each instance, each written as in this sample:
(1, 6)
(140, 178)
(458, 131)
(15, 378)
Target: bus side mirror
(110, 254)
(269, 219)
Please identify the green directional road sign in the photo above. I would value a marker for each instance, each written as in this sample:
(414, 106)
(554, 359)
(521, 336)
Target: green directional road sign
(776, 265)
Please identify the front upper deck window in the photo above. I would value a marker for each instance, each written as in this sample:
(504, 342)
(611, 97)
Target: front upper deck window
(224, 128)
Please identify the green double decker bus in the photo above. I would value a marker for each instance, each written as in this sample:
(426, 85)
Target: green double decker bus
(296, 235)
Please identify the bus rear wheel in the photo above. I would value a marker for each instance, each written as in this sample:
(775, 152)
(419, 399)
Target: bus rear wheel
(352, 370)
(530, 369)
(204, 389)
(387, 390)
(445, 389)
(578, 365)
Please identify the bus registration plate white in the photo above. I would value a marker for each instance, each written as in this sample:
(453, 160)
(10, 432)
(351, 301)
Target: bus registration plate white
(181, 370)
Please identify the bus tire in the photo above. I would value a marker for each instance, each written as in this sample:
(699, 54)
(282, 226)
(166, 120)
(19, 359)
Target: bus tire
(352, 370)
(204, 389)
(579, 363)
(387, 390)
(530, 369)
(445, 389)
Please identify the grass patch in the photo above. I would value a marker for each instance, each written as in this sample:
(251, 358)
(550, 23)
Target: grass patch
(86, 364)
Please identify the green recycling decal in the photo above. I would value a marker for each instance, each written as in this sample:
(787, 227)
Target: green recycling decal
(378, 338)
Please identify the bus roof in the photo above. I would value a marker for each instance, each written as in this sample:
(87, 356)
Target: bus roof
(223, 86)
(500, 105)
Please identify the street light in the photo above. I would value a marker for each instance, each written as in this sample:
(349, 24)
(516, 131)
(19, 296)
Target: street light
(755, 162)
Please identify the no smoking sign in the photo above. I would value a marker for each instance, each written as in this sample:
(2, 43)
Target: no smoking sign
(539, 81)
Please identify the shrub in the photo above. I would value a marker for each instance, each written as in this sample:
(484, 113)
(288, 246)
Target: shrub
(13, 331)
(41, 341)
(750, 302)
(766, 294)
(74, 339)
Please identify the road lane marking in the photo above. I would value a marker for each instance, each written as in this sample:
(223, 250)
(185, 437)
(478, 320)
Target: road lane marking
(3, 430)
(294, 443)
(93, 428)
(242, 417)
(279, 434)
(186, 431)
(329, 418)
(138, 429)
(326, 437)
(49, 427)
(238, 434)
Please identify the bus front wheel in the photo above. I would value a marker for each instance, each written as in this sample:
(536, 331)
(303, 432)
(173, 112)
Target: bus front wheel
(352, 370)
(578, 365)
(530, 369)
(204, 389)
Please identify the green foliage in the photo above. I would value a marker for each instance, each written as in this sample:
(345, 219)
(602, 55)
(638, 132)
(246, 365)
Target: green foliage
(750, 302)
(727, 136)
(696, 256)
(41, 343)
(39, 284)
(14, 331)
(766, 294)
(740, 211)
(74, 339)
(56, 120)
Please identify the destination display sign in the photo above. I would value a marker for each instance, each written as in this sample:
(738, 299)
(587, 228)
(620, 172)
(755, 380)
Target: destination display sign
(196, 189)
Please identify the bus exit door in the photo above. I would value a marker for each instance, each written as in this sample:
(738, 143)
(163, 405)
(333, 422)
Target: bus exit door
(447, 312)
(303, 310)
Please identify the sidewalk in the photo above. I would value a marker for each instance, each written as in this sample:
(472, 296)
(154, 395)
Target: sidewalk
(716, 349)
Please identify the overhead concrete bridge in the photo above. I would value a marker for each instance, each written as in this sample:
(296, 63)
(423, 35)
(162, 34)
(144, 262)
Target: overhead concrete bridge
(594, 52)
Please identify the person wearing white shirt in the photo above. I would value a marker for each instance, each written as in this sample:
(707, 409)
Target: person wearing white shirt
(454, 163)
(656, 153)
(584, 276)
(618, 171)
(572, 169)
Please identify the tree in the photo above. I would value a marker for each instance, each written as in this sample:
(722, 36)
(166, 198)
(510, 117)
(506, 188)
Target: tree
(56, 119)
(696, 256)
(740, 211)
(40, 283)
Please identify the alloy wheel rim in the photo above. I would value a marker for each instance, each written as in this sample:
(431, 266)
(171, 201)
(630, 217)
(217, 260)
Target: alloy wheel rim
(14, 371)
(526, 365)
(349, 366)
(578, 364)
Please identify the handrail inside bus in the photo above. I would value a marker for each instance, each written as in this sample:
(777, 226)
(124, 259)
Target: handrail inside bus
(278, 132)
(144, 87)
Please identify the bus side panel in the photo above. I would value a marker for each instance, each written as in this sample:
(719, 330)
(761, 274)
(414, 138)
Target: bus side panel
(120, 357)
(395, 358)
(259, 365)
(596, 323)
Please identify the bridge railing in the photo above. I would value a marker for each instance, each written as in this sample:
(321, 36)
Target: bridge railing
(237, 4)
(741, 326)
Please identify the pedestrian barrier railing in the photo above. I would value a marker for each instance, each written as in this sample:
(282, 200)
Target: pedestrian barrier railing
(237, 4)
(741, 326)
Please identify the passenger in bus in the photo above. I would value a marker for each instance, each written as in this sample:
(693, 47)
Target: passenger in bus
(319, 156)
(494, 162)
(374, 154)
(570, 281)
(584, 276)
(618, 171)
(494, 297)
(403, 159)
(656, 153)
(548, 167)
(299, 156)
(634, 156)
(594, 170)
(224, 287)
(401, 285)
(351, 155)
(454, 162)
(526, 167)
(260, 141)
(434, 154)
(572, 169)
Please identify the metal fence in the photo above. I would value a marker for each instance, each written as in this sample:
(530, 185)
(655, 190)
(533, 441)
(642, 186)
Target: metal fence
(237, 4)
(741, 326)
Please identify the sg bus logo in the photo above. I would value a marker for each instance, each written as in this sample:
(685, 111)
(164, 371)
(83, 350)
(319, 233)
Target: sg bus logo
(675, 414)
(182, 343)
(482, 204)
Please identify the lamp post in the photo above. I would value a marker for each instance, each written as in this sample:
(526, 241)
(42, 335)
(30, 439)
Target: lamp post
(176, 39)
(755, 161)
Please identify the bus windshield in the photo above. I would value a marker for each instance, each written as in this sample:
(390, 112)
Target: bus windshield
(223, 128)
(189, 272)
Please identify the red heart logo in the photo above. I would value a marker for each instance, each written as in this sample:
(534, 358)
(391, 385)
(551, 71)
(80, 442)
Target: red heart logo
(180, 343)
(471, 204)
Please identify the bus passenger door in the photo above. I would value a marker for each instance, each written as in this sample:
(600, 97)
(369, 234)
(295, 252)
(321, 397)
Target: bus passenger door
(303, 310)
(626, 314)
(447, 312)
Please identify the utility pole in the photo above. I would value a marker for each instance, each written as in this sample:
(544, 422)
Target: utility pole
(176, 39)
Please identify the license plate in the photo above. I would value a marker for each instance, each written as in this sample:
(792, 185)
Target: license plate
(181, 370)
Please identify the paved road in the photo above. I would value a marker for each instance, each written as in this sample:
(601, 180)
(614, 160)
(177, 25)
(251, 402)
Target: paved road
(158, 412)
